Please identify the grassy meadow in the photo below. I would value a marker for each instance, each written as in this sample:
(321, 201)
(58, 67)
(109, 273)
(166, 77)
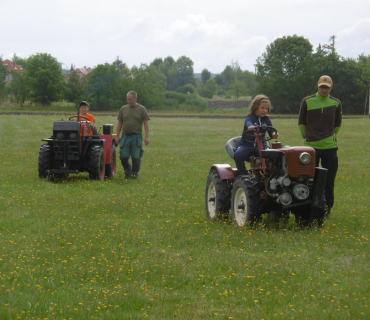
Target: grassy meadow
(136, 249)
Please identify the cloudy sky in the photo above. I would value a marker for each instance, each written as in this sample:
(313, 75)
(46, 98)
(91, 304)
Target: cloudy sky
(211, 33)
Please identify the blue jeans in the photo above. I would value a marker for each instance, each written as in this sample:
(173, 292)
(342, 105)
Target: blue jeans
(243, 154)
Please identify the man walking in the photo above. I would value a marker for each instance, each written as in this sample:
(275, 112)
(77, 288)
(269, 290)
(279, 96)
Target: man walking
(130, 119)
(320, 118)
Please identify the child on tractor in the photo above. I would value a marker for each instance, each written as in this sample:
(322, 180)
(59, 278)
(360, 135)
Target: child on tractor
(84, 108)
(257, 115)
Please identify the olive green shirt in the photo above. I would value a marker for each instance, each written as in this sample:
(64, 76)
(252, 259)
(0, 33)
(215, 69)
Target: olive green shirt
(132, 118)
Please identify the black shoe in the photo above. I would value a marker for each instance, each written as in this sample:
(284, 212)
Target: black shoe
(128, 174)
(327, 214)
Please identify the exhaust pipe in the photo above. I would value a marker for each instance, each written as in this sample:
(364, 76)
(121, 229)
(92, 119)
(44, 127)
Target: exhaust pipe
(318, 190)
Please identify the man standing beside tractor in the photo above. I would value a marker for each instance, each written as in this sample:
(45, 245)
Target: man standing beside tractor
(320, 118)
(130, 120)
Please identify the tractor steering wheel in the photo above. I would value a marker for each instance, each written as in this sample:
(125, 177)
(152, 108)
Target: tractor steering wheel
(70, 118)
(263, 129)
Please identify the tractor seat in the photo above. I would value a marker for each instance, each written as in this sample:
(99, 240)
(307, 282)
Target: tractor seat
(232, 145)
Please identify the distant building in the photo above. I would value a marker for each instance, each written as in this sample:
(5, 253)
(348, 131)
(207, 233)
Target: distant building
(81, 72)
(11, 66)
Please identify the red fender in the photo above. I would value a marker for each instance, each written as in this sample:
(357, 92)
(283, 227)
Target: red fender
(107, 146)
(225, 171)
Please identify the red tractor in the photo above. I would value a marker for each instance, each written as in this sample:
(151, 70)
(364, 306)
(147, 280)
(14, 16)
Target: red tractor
(281, 181)
(71, 149)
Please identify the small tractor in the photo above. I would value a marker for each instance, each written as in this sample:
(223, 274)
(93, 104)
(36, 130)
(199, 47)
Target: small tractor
(281, 181)
(71, 149)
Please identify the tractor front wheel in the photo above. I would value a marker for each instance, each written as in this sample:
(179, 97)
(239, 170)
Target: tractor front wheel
(44, 163)
(302, 217)
(217, 197)
(110, 168)
(96, 163)
(275, 216)
(245, 201)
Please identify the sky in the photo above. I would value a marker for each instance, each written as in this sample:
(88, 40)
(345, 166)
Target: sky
(211, 33)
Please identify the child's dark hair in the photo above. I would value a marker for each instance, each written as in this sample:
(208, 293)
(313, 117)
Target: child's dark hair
(258, 99)
(84, 103)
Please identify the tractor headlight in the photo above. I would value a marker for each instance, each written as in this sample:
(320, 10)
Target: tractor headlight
(60, 136)
(72, 136)
(305, 157)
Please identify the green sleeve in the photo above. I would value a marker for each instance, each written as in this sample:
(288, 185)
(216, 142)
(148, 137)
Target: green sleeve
(302, 129)
(336, 130)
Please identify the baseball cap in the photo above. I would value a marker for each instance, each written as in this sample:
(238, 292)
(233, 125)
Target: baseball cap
(325, 81)
(84, 103)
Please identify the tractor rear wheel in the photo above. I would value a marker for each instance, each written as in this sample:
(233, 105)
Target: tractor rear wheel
(110, 168)
(96, 163)
(217, 197)
(44, 163)
(245, 201)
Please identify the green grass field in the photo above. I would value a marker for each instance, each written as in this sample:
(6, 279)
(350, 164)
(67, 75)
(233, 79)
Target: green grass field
(135, 249)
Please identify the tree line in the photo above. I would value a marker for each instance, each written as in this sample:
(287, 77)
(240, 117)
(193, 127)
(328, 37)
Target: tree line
(289, 70)
(286, 72)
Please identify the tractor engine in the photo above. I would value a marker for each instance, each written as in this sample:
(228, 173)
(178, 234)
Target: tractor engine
(67, 143)
(291, 174)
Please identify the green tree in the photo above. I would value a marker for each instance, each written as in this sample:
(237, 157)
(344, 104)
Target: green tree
(364, 63)
(168, 68)
(285, 72)
(156, 62)
(209, 89)
(237, 71)
(74, 88)
(250, 79)
(225, 78)
(44, 75)
(19, 87)
(188, 88)
(186, 73)
(169, 60)
(3, 72)
(119, 64)
(172, 79)
(348, 83)
(105, 87)
(20, 61)
(205, 75)
(239, 88)
(148, 83)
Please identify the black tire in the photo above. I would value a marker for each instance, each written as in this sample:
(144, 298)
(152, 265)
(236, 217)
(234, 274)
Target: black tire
(302, 217)
(308, 217)
(96, 163)
(217, 197)
(317, 215)
(110, 169)
(44, 163)
(275, 216)
(246, 207)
